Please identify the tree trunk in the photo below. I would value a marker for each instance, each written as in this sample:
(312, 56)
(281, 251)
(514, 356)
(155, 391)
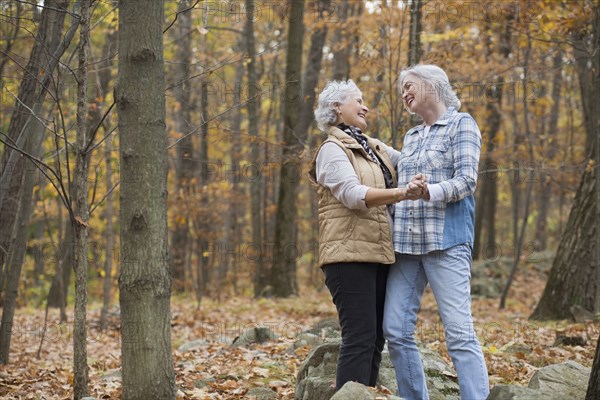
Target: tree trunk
(201, 222)
(545, 190)
(110, 240)
(260, 274)
(583, 52)
(485, 208)
(10, 40)
(593, 390)
(414, 42)
(59, 289)
(144, 281)
(341, 43)
(17, 254)
(521, 234)
(39, 262)
(311, 75)
(283, 273)
(235, 203)
(45, 54)
(82, 212)
(573, 279)
(185, 150)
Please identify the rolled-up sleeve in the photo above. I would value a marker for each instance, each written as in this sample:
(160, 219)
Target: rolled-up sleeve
(466, 147)
(335, 172)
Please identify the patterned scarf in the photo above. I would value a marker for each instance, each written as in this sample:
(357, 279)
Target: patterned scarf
(356, 134)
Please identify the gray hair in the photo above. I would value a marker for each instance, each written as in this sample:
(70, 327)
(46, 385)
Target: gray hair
(435, 76)
(335, 93)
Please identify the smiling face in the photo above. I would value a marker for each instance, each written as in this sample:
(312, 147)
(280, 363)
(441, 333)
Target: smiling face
(353, 112)
(416, 94)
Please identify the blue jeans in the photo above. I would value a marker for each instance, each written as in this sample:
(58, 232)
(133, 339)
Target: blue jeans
(449, 274)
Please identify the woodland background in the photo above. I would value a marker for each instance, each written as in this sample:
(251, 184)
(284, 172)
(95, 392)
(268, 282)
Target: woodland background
(200, 114)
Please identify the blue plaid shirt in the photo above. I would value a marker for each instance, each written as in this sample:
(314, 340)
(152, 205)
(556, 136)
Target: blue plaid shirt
(449, 156)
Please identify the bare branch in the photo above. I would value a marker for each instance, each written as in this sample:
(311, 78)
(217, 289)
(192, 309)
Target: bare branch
(39, 164)
(92, 134)
(105, 197)
(215, 117)
(180, 12)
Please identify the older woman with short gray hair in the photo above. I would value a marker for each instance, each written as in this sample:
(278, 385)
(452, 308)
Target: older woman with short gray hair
(356, 181)
(433, 236)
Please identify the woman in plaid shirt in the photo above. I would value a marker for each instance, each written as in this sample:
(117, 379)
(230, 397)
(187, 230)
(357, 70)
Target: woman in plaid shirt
(433, 236)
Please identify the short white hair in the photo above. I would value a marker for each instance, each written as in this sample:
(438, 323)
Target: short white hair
(335, 93)
(436, 77)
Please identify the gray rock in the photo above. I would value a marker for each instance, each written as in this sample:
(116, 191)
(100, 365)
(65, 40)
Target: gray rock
(193, 345)
(254, 335)
(387, 375)
(486, 287)
(513, 392)
(112, 375)
(568, 379)
(354, 390)
(330, 324)
(441, 378)
(306, 339)
(519, 348)
(316, 377)
(260, 393)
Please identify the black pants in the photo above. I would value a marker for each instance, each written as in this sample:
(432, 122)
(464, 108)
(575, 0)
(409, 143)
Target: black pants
(358, 291)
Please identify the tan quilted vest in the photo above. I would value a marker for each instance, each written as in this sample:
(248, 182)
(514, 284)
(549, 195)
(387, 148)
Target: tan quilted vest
(347, 235)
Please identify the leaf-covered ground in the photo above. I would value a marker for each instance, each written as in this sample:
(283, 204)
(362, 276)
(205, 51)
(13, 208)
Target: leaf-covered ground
(514, 347)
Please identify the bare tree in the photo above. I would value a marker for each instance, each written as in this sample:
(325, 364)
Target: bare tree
(81, 212)
(283, 273)
(144, 282)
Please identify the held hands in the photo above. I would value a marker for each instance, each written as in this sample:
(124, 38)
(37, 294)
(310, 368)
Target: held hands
(417, 188)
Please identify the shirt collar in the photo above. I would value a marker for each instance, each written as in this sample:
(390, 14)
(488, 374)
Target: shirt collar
(443, 120)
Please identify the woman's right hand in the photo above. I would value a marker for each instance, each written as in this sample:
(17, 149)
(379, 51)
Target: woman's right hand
(417, 188)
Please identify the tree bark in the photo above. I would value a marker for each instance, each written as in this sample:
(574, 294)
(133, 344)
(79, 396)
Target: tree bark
(593, 390)
(414, 42)
(261, 268)
(144, 281)
(313, 68)
(17, 254)
(109, 236)
(545, 181)
(485, 208)
(201, 221)
(341, 43)
(283, 273)
(82, 213)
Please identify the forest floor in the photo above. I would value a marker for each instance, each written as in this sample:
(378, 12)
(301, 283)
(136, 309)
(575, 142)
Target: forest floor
(514, 347)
